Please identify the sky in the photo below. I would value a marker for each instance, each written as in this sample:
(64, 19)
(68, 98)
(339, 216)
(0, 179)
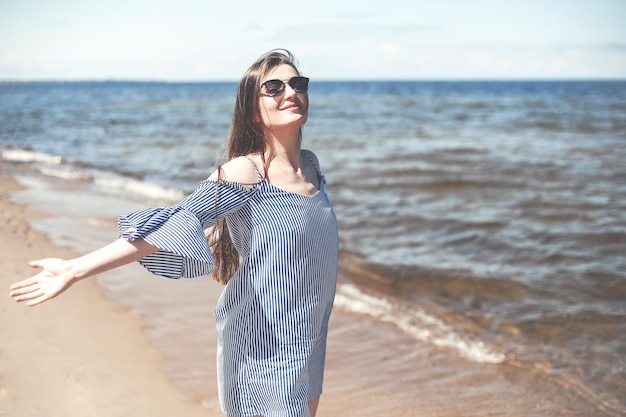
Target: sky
(206, 40)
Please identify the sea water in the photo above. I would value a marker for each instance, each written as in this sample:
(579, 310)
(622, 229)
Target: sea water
(483, 223)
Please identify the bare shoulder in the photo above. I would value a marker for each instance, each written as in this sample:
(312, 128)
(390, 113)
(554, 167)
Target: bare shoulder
(240, 169)
(313, 157)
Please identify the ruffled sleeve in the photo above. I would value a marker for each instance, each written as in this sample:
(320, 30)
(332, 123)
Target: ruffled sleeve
(178, 231)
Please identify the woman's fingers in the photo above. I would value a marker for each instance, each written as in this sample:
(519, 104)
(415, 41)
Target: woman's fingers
(33, 294)
(23, 286)
(40, 287)
(34, 297)
(37, 300)
(27, 297)
(25, 290)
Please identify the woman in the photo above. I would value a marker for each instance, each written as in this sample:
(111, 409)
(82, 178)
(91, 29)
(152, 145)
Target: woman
(274, 238)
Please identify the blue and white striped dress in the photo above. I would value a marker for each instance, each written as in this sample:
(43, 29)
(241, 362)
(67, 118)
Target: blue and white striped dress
(272, 317)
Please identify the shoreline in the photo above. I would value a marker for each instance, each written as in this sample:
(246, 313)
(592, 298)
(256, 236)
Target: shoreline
(85, 355)
(130, 344)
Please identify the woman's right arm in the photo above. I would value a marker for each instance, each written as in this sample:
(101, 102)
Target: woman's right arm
(57, 275)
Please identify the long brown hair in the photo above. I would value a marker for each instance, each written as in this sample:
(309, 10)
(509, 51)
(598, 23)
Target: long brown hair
(246, 136)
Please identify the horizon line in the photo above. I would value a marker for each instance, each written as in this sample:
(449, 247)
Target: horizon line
(328, 80)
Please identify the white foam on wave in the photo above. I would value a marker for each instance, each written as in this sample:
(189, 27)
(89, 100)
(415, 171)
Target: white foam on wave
(64, 174)
(55, 166)
(154, 191)
(22, 155)
(416, 323)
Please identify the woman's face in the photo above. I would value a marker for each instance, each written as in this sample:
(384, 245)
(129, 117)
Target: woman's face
(288, 108)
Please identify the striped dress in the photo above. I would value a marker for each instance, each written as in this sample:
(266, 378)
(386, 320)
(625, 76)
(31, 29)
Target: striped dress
(272, 317)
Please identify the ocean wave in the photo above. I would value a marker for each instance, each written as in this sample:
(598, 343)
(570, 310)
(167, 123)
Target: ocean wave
(416, 323)
(154, 191)
(26, 156)
(56, 167)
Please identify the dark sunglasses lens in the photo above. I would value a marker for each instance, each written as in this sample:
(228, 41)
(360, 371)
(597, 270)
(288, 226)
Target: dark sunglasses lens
(274, 87)
(277, 87)
(300, 84)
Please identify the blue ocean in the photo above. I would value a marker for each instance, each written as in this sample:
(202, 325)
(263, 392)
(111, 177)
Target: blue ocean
(482, 224)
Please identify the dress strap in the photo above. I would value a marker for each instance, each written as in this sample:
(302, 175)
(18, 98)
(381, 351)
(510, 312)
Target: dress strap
(310, 158)
(258, 174)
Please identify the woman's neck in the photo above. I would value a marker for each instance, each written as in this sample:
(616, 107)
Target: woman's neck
(285, 149)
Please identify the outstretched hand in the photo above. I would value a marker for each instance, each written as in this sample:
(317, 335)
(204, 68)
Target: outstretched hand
(47, 284)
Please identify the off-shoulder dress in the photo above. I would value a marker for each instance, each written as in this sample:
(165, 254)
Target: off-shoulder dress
(272, 317)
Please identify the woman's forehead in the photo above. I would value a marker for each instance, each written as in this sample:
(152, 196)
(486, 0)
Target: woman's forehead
(280, 72)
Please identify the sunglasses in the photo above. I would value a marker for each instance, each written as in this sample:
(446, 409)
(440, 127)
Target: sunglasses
(275, 88)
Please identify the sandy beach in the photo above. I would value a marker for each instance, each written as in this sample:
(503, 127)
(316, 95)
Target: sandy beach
(85, 356)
